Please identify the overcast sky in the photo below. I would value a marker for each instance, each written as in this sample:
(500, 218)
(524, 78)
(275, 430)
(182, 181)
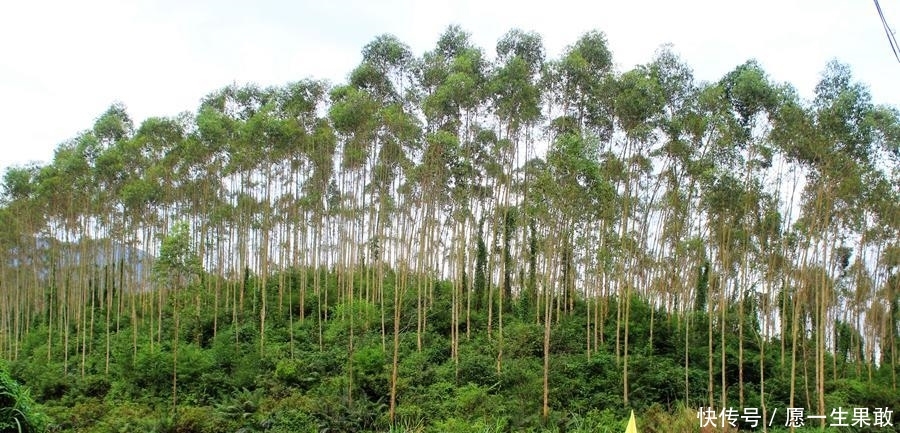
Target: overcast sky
(63, 63)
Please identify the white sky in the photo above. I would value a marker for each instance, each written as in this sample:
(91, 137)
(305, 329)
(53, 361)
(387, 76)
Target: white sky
(62, 63)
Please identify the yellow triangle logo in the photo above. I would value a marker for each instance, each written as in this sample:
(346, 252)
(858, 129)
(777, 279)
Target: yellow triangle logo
(632, 427)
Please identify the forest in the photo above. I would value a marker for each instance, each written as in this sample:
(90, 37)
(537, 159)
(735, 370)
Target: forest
(458, 241)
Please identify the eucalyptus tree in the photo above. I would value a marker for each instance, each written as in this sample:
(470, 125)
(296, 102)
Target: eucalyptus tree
(881, 219)
(225, 117)
(201, 162)
(10, 232)
(831, 141)
(217, 127)
(353, 114)
(111, 177)
(839, 161)
(318, 192)
(684, 137)
(50, 194)
(516, 90)
(297, 106)
(82, 161)
(55, 188)
(175, 268)
(272, 137)
(538, 209)
(578, 197)
(375, 120)
(87, 170)
(363, 112)
(720, 199)
(140, 195)
(453, 78)
(23, 244)
(116, 170)
(637, 105)
(580, 84)
(753, 100)
(148, 201)
(886, 275)
(250, 154)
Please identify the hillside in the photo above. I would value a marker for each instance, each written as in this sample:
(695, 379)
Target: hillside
(456, 242)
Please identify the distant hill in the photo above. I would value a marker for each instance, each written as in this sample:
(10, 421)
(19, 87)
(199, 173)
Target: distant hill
(101, 253)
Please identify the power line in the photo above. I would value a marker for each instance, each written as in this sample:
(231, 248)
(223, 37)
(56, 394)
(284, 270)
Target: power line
(895, 47)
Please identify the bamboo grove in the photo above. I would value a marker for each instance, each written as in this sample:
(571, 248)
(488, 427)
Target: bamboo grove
(493, 189)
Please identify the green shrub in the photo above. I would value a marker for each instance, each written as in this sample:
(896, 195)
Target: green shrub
(193, 419)
(17, 412)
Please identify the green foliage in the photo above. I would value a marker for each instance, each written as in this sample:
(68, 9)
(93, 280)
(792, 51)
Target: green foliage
(480, 269)
(370, 371)
(151, 373)
(177, 260)
(228, 385)
(17, 410)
